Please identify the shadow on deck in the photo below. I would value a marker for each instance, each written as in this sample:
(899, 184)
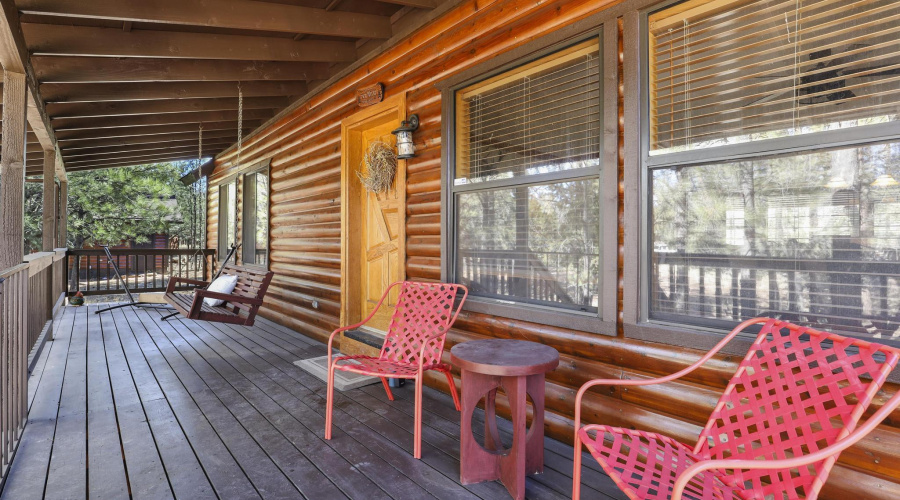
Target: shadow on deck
(123, 404)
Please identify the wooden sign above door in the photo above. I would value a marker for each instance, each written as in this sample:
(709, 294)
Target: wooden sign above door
(372, 94)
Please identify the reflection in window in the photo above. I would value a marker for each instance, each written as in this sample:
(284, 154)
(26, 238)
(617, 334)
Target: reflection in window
(535, 244)
(820, 240)
(227, 217)
(262, 218)
(255, 244)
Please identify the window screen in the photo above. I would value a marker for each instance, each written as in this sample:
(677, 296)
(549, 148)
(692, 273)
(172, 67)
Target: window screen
(526, 187)
(738, 71)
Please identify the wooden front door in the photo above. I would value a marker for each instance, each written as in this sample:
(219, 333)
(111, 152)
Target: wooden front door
(373, 225)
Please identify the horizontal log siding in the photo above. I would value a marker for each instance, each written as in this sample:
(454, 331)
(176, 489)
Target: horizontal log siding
(304, 147)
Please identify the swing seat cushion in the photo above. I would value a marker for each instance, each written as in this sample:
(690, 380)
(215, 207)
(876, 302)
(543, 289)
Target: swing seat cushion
(223, 284)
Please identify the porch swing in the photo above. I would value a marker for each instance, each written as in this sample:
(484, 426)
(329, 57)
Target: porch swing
(236, 292)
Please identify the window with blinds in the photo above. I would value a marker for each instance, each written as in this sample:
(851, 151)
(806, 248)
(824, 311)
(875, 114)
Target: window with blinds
(804, 231)
(526, 194)
(542, 117)
(727, 72)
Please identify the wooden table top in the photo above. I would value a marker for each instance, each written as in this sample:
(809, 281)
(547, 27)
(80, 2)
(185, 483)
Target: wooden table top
(504, 357)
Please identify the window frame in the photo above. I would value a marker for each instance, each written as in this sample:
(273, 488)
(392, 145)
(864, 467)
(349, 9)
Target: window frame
(603, 321)
(637, 321)
(248, 213)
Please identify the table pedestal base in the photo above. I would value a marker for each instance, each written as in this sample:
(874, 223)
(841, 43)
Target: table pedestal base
(491, 462)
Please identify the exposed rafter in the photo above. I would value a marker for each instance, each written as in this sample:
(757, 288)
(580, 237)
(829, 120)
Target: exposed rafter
(51, 69)
(51, 39)
(234, 14)
(70, 145)
(84, 92)
(151, 130)
(93, 123)
(116, 108)
(208, 145)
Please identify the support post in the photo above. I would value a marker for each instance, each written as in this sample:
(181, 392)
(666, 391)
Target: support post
(49, 230)
(62, 227)
(12, 170)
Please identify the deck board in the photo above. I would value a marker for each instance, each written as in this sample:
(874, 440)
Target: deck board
(126, 405)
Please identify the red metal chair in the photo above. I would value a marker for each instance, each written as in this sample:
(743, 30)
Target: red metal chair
(414, 342)
(791, 408)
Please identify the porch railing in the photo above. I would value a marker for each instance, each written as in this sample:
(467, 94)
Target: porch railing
(554, 277)
(29, 292)
(13, 360)
(143, 269)
(858, 296)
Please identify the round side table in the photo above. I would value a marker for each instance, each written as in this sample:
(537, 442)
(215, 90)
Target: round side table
(518, 367)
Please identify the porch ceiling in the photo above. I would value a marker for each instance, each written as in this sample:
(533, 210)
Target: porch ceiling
(124, 79)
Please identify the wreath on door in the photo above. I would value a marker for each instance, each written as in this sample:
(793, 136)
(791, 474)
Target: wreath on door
(380, 162)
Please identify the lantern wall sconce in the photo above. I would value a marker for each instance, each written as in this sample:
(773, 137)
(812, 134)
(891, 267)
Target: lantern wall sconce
(405, 147)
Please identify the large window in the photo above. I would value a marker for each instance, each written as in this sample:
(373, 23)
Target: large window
(525, 193)
(774, 159)
(255, 248)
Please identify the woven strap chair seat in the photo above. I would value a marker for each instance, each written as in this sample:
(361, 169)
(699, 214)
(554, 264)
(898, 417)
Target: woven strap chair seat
(645, 465)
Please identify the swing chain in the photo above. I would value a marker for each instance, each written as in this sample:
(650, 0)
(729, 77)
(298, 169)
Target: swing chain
(240, 123)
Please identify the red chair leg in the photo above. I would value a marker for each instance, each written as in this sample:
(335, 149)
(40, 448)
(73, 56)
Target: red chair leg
(387, 388)
(417, 445)
(576, 468)
(329, 402)
(453, 389)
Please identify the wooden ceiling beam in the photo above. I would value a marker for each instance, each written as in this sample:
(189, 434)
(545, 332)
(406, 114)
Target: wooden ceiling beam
(118, 108)
(115, 157)
(94, 123)
(62, 69)
(131, 163)
(233, 14)
(88, 92)
(106, 133)
(53, 39)
(424, 4)
(210, 145)
(71, 145)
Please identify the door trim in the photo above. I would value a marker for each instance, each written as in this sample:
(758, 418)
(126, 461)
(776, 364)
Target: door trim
(396, 106)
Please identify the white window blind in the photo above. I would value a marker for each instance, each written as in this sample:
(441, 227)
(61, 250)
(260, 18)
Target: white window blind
(541, 117)
(726, 72)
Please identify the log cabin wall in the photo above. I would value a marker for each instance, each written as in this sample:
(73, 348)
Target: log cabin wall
(304, 147)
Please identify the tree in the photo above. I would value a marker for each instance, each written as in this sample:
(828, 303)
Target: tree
(34, 207)
(123, 204)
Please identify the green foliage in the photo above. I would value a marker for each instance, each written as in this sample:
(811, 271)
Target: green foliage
(114, 205)
(122, 204)
(34, 206)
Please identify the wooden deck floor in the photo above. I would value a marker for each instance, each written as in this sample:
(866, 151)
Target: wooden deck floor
(125, 405)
